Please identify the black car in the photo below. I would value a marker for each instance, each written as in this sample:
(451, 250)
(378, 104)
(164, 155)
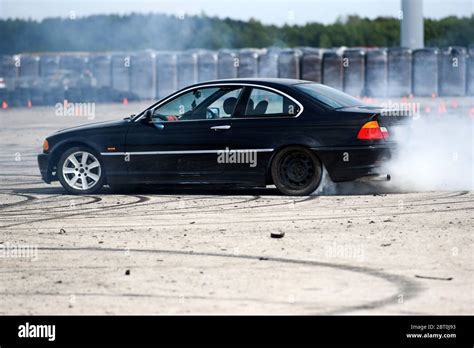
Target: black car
(247, 132)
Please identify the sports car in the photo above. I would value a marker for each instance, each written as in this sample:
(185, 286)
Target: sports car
(243, 132)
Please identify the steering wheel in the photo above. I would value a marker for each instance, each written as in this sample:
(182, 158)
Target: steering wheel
(211, 114)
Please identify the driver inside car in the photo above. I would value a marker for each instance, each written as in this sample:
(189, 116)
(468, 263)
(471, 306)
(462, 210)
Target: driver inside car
(202, 104)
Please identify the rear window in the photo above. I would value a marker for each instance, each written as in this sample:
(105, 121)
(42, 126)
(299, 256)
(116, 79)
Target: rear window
(328, 96)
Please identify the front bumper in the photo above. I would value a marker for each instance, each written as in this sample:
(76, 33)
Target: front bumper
(44, 167)
(351, 163)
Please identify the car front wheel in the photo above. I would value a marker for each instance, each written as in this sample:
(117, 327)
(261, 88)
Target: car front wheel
(80, 171)
(296, 171)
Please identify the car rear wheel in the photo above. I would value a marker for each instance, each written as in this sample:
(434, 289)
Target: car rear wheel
(80, 171)
(296, 171)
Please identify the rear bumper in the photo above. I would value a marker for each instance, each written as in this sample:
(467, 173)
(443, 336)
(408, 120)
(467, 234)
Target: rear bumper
(44, 167)
(351, 163)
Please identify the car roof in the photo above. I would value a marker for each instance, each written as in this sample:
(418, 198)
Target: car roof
(271, 82)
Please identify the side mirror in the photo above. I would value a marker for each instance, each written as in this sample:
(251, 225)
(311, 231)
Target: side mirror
(148, 116)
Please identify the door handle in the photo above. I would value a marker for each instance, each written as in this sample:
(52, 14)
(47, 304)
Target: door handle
(218, 128)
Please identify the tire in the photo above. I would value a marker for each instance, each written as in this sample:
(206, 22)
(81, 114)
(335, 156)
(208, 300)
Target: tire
(296, 171)
(79, 174)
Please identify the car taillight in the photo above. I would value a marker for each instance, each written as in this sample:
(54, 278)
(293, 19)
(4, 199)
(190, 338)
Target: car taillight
(45, 146)
(372, 131)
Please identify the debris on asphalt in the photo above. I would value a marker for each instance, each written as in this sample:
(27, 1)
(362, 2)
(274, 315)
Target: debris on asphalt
(434, 278)
(277, 235)
(62, 231)
(127, 272)
(385, 245)
(262, 258)
(372, 222)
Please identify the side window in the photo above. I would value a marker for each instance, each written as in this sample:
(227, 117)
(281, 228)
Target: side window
(199, 104)
(182, 107)
(224, 106)
(263, 102)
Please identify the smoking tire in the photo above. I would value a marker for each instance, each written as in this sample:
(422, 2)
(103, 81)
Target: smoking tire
(296, 171)
(81, 171)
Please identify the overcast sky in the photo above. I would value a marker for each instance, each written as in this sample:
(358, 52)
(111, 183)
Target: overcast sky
(268, 11)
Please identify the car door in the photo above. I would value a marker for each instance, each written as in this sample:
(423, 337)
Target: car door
(261, 123)
(183, 141)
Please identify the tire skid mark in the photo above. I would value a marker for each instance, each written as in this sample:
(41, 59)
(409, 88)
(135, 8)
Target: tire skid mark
(174, 223)
(406, 202)
(397, 206)
(252, 199)
(140, 200)
(156, 296)
(94, 199)
(98, 209)
(404, 285)
(310, 198)
(29, 199)
(181, 200)
(285, 219)
(197, 209)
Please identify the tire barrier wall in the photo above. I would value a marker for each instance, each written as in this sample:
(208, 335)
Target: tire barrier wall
(48, 78)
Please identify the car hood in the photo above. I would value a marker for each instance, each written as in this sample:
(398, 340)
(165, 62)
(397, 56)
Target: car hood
(95, 125)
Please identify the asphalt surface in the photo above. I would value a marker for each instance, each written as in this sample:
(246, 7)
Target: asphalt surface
(359, 249)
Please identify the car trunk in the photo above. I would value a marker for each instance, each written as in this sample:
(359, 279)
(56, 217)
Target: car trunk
(393, 121)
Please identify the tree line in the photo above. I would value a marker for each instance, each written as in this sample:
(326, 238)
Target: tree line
(167, 32)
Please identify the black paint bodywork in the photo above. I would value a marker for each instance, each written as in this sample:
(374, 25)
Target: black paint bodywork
(330, 133)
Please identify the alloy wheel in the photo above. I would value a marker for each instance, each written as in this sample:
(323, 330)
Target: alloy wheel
(81, 170)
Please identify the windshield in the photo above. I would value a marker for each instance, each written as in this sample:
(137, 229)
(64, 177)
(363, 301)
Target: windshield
(329, 96)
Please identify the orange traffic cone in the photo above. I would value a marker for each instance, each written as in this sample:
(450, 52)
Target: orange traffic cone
(427, 109)
(125, 101)
(29, 104)
(4, 105)
(442, 108)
